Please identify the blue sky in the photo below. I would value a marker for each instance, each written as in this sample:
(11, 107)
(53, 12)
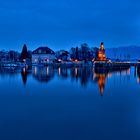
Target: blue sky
(67, 23)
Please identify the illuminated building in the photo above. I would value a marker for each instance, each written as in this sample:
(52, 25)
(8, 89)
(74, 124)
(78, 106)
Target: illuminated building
(101, 53)
(43, 55)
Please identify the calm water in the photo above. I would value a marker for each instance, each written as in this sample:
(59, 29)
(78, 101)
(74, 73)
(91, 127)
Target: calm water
(69, 104)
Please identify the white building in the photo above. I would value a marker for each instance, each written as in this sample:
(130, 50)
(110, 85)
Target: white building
(43, 55)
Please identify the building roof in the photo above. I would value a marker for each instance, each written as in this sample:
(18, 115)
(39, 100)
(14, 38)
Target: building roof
(43, 50)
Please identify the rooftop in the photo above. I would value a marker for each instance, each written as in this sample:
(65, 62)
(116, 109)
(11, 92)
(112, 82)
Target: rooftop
(43, 50)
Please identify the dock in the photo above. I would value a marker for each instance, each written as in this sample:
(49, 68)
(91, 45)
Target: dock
(114, 66)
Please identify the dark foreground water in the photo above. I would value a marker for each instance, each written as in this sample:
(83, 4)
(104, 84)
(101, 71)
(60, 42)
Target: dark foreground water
(69, 104)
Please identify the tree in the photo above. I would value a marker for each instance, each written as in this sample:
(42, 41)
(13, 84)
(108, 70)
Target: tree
(29, 55)
(77, 56)
(84, 48)
(96, 50)
(24, 52)
(73, 53)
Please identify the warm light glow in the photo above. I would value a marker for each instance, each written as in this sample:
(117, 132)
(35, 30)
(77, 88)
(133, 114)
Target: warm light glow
(101, 83)
(138, 80)
(109, 61)
(93, 59)
(59, 60)
(128, 71)
(109, 75)
(24, 60)
(59, 71)
(76, 71)
(24, 70)
(35, 70)
(47, 71)
(102, 47)
(35, 60)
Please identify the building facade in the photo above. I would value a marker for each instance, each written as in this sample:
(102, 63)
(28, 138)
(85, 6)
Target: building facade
(43, 55)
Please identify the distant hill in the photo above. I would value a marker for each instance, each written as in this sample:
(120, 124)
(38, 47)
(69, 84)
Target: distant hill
(124, 52)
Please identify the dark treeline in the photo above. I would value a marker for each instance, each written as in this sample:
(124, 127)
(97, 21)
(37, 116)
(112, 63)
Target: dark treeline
(84, 52)
(15, 56)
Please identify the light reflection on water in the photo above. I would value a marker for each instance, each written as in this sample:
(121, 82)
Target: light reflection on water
(75, 103)
(82, 76)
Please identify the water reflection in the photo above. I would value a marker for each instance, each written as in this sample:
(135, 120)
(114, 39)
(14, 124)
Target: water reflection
(63, 72)
(25, 71)
(84, 76)
(43, 74)
(7, 70)
(138, 73)
(24, 75)
(101, 78)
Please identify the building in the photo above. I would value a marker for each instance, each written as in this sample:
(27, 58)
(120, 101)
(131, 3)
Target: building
(101, 53)
(43, 55)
